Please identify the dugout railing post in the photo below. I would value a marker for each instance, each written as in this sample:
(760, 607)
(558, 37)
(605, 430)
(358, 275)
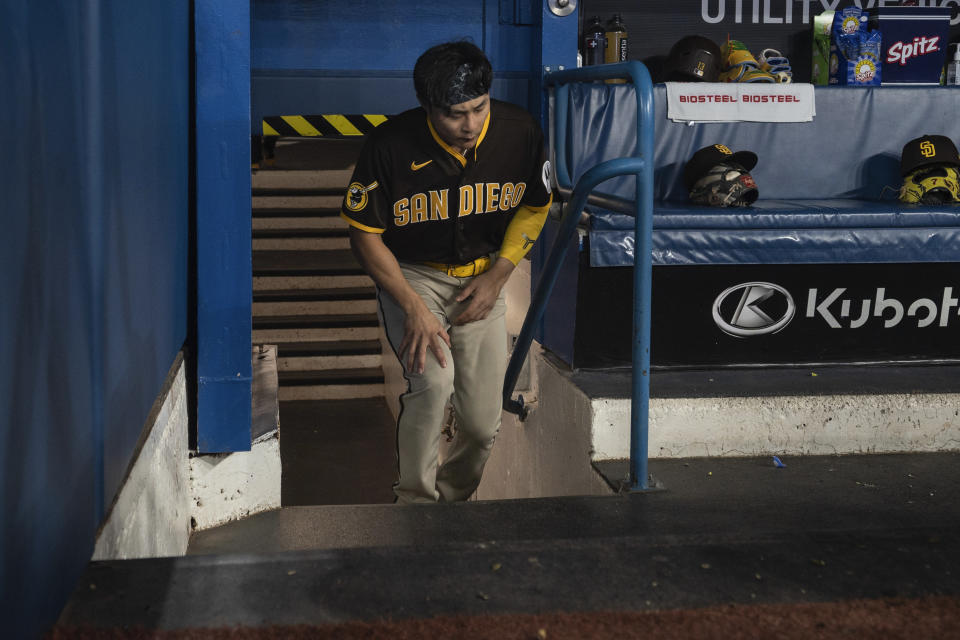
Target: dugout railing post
(641, 166)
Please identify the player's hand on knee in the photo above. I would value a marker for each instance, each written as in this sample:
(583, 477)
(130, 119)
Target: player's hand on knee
(423, 331)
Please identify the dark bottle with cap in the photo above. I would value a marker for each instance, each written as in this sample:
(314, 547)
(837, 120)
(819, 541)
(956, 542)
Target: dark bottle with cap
(594, 42)
(616, 44)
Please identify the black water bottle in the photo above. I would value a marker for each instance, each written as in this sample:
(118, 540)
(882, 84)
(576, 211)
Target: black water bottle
(594, 42)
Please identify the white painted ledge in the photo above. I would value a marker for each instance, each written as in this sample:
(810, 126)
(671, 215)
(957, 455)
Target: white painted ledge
(792, 425)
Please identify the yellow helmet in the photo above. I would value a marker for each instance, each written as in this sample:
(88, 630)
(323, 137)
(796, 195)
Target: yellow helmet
(938, 184)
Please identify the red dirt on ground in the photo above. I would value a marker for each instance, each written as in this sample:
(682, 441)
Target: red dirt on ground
(914, 619)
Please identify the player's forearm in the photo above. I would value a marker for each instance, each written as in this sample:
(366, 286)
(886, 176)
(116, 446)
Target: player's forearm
(522, 231)
(382, 266)
(501, 270)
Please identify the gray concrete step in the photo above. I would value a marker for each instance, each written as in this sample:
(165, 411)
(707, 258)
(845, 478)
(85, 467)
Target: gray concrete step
(330, 321)
(296, 212)
(302, 179)
(330, 377)
(333, 224)
(295, 201)
(301, 238)
(719, 499)
(327, 363)
(301, 244)
(296, 333)
(319, 294)
(444, 575)
(321, 356)
(348, 367)
(346, 391)
(322, 307)
(343, 300)
(305, 263)
(274, 283)
(315, 328)
(296, 191)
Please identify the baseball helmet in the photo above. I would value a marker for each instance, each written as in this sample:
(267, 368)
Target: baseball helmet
(706, 158)
(693, 59)
(725, 185)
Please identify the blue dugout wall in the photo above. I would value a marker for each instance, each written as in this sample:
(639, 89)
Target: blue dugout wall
(95, 119)
(357, 56)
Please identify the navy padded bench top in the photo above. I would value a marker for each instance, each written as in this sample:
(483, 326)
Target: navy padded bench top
(783, 232)
(789, 214)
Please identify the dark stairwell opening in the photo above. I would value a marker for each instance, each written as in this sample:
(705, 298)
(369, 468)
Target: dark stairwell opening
(313, 301)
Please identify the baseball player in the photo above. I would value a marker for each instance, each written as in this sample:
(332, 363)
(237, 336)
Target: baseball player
(444, 201)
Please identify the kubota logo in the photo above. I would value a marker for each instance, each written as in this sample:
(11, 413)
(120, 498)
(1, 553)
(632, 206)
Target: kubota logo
(840, 313)
(753, 309)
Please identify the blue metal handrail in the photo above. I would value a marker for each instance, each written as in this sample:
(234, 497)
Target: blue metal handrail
(642, 167)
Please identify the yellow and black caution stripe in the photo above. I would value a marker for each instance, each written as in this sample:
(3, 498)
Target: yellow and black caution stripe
(327, 125)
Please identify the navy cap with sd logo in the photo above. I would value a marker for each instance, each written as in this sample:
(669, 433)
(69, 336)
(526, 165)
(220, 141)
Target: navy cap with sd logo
(927, 150)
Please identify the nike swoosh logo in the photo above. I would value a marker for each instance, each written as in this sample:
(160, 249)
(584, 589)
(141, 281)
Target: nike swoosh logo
(416, 167)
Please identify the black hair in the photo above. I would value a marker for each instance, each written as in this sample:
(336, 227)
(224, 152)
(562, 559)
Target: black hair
(451, 73)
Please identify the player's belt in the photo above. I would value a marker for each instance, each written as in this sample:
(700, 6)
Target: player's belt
(474, 268)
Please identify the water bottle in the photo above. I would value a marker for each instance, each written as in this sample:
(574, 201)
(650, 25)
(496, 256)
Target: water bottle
(594, 43)
(616, 43)
(953, 67)
(616, 40)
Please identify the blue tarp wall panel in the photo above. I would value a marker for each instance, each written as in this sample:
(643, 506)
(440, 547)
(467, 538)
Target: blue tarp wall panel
(357, 56)
(93, 267)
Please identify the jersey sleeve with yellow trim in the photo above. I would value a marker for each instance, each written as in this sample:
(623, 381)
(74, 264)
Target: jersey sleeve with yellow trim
(364, 204)
(529, 219)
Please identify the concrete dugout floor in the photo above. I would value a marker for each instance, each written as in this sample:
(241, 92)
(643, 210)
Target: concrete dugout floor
(723, 531)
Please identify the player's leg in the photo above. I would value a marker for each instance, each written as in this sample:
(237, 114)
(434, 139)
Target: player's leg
(480, 354)
(422, 405)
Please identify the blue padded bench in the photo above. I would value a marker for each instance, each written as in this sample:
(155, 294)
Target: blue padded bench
(827, 188)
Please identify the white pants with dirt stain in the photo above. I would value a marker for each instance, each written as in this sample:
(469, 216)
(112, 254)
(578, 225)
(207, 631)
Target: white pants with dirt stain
(472, 381)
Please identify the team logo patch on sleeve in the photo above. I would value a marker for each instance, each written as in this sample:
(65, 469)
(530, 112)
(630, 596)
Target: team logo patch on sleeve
(357, 195)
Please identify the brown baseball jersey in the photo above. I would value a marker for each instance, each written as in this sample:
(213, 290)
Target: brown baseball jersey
(434, 205)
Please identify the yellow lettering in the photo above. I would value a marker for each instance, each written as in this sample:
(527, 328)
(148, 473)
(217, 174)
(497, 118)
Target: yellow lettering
(466, 200)
(518, 193)
(479, 196)
(438, 205)
(492, 195)
(506, 194)
(401, 216)
(418, 208)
